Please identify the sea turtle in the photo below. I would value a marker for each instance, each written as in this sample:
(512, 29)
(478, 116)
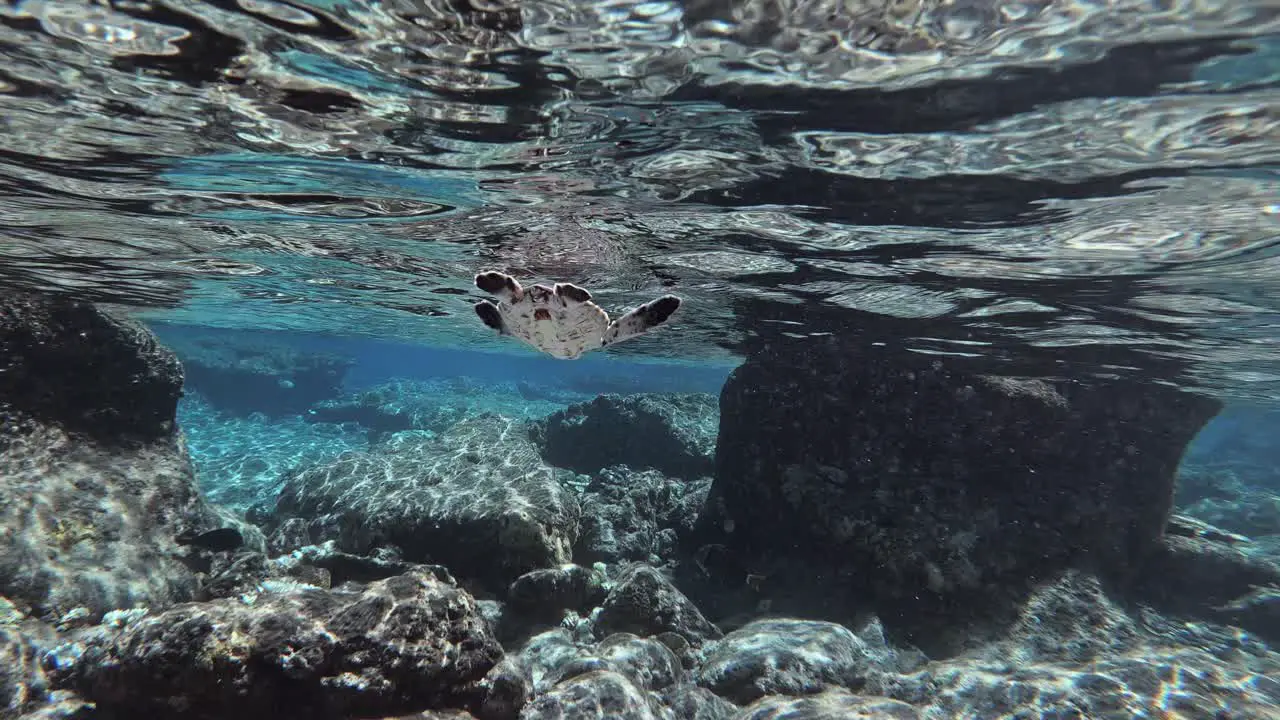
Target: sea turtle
(562, 321)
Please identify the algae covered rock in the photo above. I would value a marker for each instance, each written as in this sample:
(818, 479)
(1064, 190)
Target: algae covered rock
(829, 705)
(547, 593)
(73, 366)
(96, 482)
(400, 645)
(476, 499)
(785, 656)
(672, 433)
(645, 602)
(636, 515)
(598, 694)
(23, 642)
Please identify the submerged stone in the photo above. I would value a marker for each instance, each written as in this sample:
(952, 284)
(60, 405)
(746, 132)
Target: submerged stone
(96, 482)
(789, 657)
(476, 499)
(672, 433)
(643, 601)
(400, 645)
(636, 515)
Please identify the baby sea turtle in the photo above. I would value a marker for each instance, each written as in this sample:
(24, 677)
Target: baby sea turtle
(562, 321)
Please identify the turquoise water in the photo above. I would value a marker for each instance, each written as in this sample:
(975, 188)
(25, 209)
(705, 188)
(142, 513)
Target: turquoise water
(244, 445)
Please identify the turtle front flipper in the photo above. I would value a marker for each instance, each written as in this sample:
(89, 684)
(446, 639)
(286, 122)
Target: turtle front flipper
(490, 316)
(500, 284)
(641, 320)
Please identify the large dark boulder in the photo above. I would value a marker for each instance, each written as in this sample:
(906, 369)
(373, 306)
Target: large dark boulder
(913, 479)
(70, 365)
(95, 482)
(673, 433)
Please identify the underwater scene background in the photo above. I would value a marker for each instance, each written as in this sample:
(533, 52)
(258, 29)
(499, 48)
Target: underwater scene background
(966, 409)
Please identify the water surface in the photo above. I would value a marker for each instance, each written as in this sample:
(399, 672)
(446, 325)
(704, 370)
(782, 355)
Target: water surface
(1054, 187)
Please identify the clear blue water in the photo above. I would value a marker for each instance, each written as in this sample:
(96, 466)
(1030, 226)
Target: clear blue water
(303, 191)
(244, 445)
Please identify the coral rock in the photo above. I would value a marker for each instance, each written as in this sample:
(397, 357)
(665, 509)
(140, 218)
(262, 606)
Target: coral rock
(400, 645)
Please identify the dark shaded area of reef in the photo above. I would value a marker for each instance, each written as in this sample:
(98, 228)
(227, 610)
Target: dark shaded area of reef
(900, 537)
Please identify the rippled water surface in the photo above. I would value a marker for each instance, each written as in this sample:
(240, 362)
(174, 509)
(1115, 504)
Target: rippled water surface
(1055, 186)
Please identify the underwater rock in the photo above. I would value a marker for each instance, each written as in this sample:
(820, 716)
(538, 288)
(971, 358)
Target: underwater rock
(545, 594)
(23, 685)
(287, 534)
(789, 657)
(435, 715)
(1257, 610)
(1220, 497)
(691, 702)
(1074, 651)
(506, 690)
(1205, 573)
(73, 366)
(243, 377)
(643, 601)
(830, 705)
(672, 433)
(937, 489)
(1068, 619)
(598, 694)
(396, 646)
(630, 515)
(476, 499)
(646, 662)
(1181, 525)
(556, 657)
(1183, 683)
(96, 480)
(94, 527)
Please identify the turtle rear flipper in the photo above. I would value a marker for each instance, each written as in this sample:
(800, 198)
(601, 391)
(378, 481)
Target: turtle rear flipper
(641, 320)
(572, 293)
(490, 316)
(500, 284)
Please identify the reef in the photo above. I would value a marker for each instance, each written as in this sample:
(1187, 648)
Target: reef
(477, 498)
(854, 540)
(672, 433)
(96, 478)
(404, 644)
